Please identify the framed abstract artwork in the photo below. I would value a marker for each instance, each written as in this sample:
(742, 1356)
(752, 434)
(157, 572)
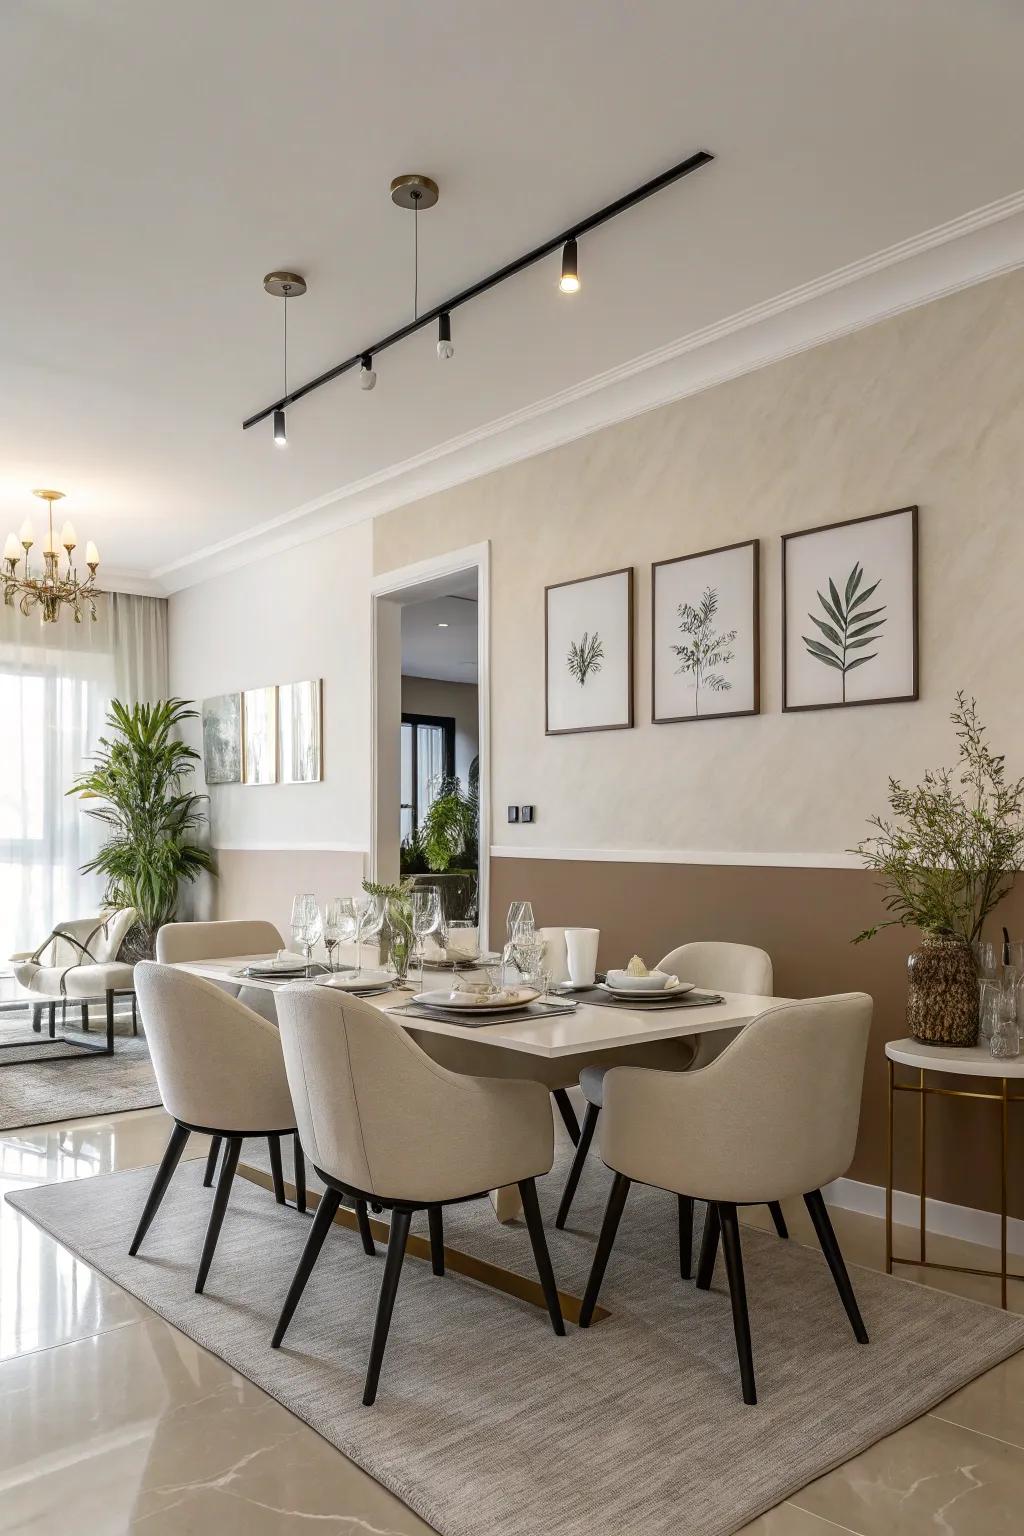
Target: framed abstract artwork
(259, 736)
(222, 739)
(705, 635)
(588, 654)
(849, 613)
(300, 732)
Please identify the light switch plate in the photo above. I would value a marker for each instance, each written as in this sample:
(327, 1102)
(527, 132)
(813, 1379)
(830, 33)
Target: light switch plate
(513, 813)
(526, 812)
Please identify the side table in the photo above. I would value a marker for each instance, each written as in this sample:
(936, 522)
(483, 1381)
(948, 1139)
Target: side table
(974, 1061)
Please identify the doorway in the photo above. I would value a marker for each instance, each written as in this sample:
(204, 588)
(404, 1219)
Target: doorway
(430, 738)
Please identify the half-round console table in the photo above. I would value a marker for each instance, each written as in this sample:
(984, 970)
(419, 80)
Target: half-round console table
(974, 1061)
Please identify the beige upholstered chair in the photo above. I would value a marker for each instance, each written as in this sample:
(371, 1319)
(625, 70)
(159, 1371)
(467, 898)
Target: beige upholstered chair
(220, 1070)
(221, 940)
(382, 1122)
(775, 1115)
(78, 963)
(712, 967)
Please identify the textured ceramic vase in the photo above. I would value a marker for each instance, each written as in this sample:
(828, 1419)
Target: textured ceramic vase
(942, 994)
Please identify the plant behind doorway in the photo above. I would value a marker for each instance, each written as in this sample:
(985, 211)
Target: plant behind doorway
(142, 774)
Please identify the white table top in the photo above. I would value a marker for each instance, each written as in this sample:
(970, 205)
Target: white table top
(962, 1061)
(585, 1030)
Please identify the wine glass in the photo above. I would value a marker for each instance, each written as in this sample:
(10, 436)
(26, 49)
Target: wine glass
(307, 924)
(369, 911)
(426, 918)
(339, 925)
(519, 913)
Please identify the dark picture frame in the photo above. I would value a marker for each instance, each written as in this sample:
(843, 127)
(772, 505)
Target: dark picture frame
(824, 618)
(754, 546)
(562, 587)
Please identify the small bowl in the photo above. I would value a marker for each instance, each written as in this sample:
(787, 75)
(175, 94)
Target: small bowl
(654, 981)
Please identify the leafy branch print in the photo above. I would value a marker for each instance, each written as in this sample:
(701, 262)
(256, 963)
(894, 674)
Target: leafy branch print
(705, 648)
(850, 626)
(585, 658)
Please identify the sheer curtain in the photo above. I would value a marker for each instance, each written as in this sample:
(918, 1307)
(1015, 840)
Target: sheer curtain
(56, 682)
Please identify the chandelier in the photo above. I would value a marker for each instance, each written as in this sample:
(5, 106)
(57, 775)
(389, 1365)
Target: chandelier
(50, 590)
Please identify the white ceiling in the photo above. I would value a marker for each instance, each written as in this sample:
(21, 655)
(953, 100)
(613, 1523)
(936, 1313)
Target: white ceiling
(439, 633)
(157, 160)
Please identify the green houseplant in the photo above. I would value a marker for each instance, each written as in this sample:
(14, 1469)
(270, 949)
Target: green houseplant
(947, 856)
(141, 776)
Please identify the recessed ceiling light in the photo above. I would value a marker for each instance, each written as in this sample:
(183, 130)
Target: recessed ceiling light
(442, 625)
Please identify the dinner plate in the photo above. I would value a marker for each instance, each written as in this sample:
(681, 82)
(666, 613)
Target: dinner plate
(631, 995)
(474, 1002)
(366, 981)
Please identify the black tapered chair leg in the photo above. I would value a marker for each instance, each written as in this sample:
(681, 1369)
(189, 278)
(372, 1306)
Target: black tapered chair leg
(299, 1164)
(325, 1214)
(211, 1161)
(220, 1205)
(274, 1143)
(53, 1021)
(685, 1236)
(609, 1227)
(830, 1248)
(708, 1248)
(578, 1163)
(365, 1231)
(567, 1113)
(542, 1258)
(738, 1297)
(85, 1017)
(37, 1018)
(436, 1221)
(386, 1302)
(172, 1156)
(135, 1015)
(110, 1022)
(778, 1218)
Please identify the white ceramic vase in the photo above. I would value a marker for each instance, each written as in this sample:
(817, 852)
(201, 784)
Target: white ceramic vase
(581, 955)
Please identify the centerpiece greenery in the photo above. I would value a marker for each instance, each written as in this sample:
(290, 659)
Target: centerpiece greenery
(142, 777)
(947, 856)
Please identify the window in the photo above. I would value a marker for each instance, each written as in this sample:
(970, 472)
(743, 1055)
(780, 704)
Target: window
(428, 756)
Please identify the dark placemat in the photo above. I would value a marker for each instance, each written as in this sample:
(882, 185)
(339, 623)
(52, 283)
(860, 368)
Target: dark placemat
(477, 1021)
(657, 1003)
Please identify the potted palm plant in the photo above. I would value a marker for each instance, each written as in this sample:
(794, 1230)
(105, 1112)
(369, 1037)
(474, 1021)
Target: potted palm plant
(142, 777)
(947, 856)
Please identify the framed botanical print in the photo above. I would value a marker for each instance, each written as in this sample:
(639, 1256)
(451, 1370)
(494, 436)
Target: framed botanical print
(588, 660)
(849, 612)
(222, 739)
(300, 732)
(259, 736)
(705, 640)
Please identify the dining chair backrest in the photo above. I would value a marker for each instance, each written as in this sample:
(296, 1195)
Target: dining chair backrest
(88, 940)
(218, 1065)
(376, 1113)
(775, 1114)
(216, 940)
(720, 967)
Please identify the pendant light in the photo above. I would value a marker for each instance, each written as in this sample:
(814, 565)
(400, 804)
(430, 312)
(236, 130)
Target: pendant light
(284, 285)
(569, 282)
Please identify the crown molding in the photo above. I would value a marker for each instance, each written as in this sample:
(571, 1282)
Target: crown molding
(977, 246)
(134, 582)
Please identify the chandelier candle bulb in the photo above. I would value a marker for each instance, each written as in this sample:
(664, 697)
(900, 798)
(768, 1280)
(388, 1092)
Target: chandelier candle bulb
(67, 537)
(26, 536)
(12, 549)
(92, 555)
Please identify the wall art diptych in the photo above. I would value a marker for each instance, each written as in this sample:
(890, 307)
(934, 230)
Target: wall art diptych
(300, 732)
(849, 612)
(259, 736)
(588, 662)
(705, 642)
(222, 739)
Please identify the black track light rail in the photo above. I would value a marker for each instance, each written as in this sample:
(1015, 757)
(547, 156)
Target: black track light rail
(574, 232)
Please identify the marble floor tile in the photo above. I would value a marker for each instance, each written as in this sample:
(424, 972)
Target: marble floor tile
(929, 1477)
(992, 1405)
(139, 1429)
(788, 1520)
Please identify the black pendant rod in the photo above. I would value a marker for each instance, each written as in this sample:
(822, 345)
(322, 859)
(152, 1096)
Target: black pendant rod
(611, 211)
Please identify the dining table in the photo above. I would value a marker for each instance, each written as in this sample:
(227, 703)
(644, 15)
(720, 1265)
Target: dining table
(557, 1032)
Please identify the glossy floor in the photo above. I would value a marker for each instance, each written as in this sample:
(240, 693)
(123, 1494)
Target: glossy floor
(111, 1421)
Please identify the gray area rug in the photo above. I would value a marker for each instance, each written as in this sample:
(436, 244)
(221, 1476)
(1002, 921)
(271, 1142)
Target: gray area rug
(67, 1085)
(484, 1421)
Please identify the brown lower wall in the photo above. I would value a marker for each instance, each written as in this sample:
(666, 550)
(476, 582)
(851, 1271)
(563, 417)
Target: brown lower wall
(804, 918)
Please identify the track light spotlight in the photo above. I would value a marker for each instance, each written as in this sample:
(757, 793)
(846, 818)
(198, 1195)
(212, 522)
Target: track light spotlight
(280, 435)
(367, 376)
(569, 282)
(445, 345)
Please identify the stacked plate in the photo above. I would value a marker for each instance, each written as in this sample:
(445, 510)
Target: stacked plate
(364, 983)
(449, 1001)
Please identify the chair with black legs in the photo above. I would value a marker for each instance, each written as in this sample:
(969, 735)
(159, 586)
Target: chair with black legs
(713, 967)
(220, 1071)
(221, 940)
(381, 1122)
(775, 1115)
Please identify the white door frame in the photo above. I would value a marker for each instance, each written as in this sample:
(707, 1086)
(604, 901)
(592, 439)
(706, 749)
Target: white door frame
(384, 740)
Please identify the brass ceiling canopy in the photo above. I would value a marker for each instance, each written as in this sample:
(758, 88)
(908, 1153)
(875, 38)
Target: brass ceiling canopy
(414, 191)
(285, 285)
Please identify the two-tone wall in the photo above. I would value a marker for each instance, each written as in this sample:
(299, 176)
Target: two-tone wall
(732, 828)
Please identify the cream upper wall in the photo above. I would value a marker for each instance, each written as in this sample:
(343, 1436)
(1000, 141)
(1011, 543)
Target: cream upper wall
(305, 613)
(925, 408)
